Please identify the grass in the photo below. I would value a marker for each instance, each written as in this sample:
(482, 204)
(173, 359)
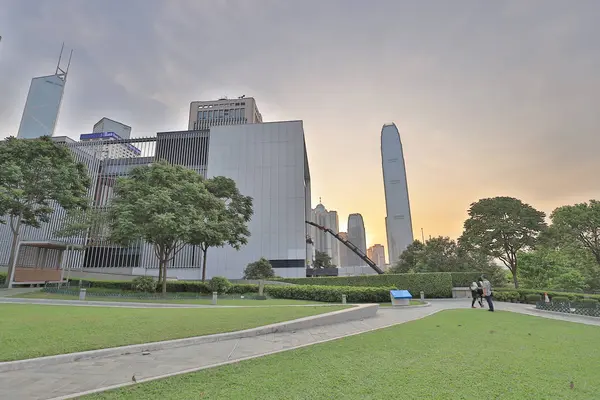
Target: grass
(192, 300)
(457, 354)
(39, 330)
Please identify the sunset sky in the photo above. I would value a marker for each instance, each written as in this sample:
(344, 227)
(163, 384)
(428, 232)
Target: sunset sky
(490, 97)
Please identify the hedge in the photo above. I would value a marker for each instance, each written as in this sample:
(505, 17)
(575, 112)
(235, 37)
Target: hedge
(521, 295)
(172, 286)
(2, 277)
(464, 279)
(331, 294)
(434, 284)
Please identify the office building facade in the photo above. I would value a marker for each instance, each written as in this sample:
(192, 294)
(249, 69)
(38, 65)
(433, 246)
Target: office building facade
(398, 219)
(356, 235)
(42, 106)
(267, 161)
(377, 254)
(205, 114)
(323, 241)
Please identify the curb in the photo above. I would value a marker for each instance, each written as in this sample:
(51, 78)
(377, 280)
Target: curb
(131, 304)
(350, 314)
(426, 304)
(187, 371)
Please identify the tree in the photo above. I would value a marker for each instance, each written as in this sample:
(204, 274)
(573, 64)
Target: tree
(260, 269)
(164, 205)
(36, 177)
(409, 259)
(227, 225)
(547, 268)
(501, 227)
(580, 222)
(322, 260)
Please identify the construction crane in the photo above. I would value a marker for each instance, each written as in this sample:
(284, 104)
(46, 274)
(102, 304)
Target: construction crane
(349, 245)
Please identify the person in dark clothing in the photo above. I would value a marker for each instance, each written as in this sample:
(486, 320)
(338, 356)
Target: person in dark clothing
(476, 294)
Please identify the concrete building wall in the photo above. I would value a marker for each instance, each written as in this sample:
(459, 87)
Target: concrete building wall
(204, 114)
(269, 163)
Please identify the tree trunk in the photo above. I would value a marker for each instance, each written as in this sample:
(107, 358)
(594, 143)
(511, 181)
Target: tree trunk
(159, 273)
(204, 264)
(13, 249)
(164, 277)
(514, 274)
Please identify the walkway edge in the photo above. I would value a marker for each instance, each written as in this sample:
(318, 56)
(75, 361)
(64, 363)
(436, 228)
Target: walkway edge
(356, 312)
(187, 371)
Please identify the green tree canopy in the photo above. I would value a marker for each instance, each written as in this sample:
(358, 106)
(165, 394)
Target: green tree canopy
(501, 227)
(227, 225)
(36, 177)
(164, 205)
(322, 260)
(261, 269)
(581, 223)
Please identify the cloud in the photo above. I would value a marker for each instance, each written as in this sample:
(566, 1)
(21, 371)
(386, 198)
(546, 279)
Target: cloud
(490, 97)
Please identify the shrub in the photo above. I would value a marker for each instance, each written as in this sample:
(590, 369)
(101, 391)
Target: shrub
(219, 284)
(144, 284)
(560, 299)
(532, 298)
(552, 294)
(510, 296)
(434, 284)
(261, 269)
(3, 278)
(331, 294)
(589, 303)
(464, 279)
(172, 286)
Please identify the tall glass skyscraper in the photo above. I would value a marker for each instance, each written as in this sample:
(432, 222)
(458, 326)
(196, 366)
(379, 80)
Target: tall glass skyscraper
(43, 103)
(398, 221)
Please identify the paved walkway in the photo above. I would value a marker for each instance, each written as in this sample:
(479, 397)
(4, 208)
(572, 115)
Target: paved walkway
(68, 379)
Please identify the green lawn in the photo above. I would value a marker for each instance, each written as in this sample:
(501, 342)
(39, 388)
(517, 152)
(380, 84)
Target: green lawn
(28, 330)
(201, 301)
(458, 354)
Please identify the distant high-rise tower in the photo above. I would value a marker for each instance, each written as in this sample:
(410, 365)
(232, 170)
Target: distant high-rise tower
(377, 254)
(324, 242)
(43, 103)
(398, 221)
(204, 114)
(344, 251)
(356, 235)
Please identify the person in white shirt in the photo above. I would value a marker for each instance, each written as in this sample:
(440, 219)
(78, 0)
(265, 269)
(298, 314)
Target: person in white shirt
(487, 292)
(476, 294)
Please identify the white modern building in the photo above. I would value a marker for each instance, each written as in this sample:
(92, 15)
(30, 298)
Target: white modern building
(323, 241)
(268, 161)
(205, 114)
(110, 125)
(358, 237)
(398, 220)
(113, 136)
(43, 103)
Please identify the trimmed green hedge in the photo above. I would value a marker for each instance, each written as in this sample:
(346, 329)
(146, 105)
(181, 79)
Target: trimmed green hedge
(172, 286)
(522, 295)
(2, 278)
(464, 279)
(330, 294)
(434, 284)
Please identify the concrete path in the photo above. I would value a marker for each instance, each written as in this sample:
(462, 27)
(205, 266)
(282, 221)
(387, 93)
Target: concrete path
(69, 380)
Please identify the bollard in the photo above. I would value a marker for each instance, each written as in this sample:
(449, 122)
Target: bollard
(214, 299)
(422, 295)
(343, 299)
(82, 293)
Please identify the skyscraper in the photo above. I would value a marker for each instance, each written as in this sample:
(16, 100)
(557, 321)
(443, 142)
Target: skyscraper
(356, 235)
(398, 221)
(377, 254)
(43, 103)
(204, 114)
(323, 241)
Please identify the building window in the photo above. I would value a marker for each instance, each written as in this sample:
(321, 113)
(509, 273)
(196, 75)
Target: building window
(242, 112)
(220, 113)
(210, 114)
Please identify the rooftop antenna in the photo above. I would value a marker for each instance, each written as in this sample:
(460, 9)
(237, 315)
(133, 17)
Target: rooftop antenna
(320, 200)
(62, 73)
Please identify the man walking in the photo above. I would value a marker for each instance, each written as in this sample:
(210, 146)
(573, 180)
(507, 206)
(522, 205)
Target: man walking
(487, 292)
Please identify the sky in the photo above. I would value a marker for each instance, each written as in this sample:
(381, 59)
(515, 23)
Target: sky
(491, 98)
